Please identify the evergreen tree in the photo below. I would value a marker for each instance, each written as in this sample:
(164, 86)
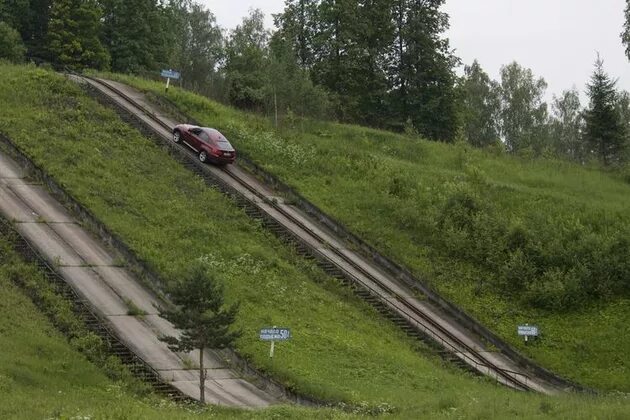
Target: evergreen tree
(336, 62)
(481, 106)
(35, 34)
(202, 317)
(30, 19)
(138, 34)
(524, 117)
(605, 133)
(421, 69)
(16, 14)
(11, 45)
(73, 34)
(384, 61)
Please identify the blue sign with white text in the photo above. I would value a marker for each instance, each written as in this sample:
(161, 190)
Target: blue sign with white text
(275, 334)
(171, 74)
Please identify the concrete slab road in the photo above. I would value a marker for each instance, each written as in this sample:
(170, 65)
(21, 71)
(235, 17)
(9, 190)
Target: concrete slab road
(88, 267)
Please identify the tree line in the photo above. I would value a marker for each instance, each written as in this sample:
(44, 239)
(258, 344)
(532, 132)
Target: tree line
(382, 63)
(513, 114)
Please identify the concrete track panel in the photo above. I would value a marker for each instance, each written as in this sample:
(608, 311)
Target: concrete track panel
(145, 343)
(234, 392)
(91, 251)
(49, 244)
(192, 375)
(10, 169)
(127, 288)
(42, 203)
(160, 326)
(15, 209)
(91, 287)
(141, 99)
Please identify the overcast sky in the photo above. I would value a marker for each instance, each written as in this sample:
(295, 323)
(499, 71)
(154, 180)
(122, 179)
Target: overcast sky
(557, 39)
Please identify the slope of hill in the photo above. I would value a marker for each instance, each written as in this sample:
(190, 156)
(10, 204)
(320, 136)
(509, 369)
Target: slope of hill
(341, 350)
(511, 240)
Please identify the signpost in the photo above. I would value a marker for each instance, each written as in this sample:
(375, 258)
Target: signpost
(170, 74)
(274, 334)
(528, 331)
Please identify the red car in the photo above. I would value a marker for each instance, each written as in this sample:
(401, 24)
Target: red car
(208, 143)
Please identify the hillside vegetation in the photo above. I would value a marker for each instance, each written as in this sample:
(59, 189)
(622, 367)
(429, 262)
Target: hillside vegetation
(511, 240)
(341, 351)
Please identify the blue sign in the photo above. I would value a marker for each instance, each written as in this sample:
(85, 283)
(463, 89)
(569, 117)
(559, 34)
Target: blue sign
(275, 334)
(171, 74)
(528, 330)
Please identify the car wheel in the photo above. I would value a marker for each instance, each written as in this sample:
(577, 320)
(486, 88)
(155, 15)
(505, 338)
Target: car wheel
(203, 156)
(177, 137)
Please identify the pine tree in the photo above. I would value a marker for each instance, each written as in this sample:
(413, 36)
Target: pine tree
(73, 34)
(138, 34)
(421, 69)
(605, 133)
(201, 316)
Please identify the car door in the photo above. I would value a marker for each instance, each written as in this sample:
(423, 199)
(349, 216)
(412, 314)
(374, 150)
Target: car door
(205, 140)
(194, 141)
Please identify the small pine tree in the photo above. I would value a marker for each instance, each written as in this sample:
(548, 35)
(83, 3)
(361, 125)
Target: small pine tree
(73, 34)
(605, 134)
(199, 313)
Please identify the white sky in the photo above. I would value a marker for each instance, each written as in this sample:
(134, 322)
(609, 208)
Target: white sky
(557, 39)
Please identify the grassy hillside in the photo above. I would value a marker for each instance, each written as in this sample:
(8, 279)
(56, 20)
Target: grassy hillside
(341, 349)
(511, 240)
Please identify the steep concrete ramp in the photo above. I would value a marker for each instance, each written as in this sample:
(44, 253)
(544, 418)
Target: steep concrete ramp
(88, 266)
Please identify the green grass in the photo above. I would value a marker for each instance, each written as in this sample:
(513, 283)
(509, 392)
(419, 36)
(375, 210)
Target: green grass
(393, 191)
(341, 349)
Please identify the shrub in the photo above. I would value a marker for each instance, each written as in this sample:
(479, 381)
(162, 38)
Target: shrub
(11, 45)
(459, 210)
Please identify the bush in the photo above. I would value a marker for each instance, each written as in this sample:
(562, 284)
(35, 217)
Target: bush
(11, 45)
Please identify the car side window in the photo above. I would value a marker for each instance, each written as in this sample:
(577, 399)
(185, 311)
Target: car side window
(204, 137)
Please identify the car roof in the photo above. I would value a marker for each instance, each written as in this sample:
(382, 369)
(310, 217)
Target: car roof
(214, 134)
